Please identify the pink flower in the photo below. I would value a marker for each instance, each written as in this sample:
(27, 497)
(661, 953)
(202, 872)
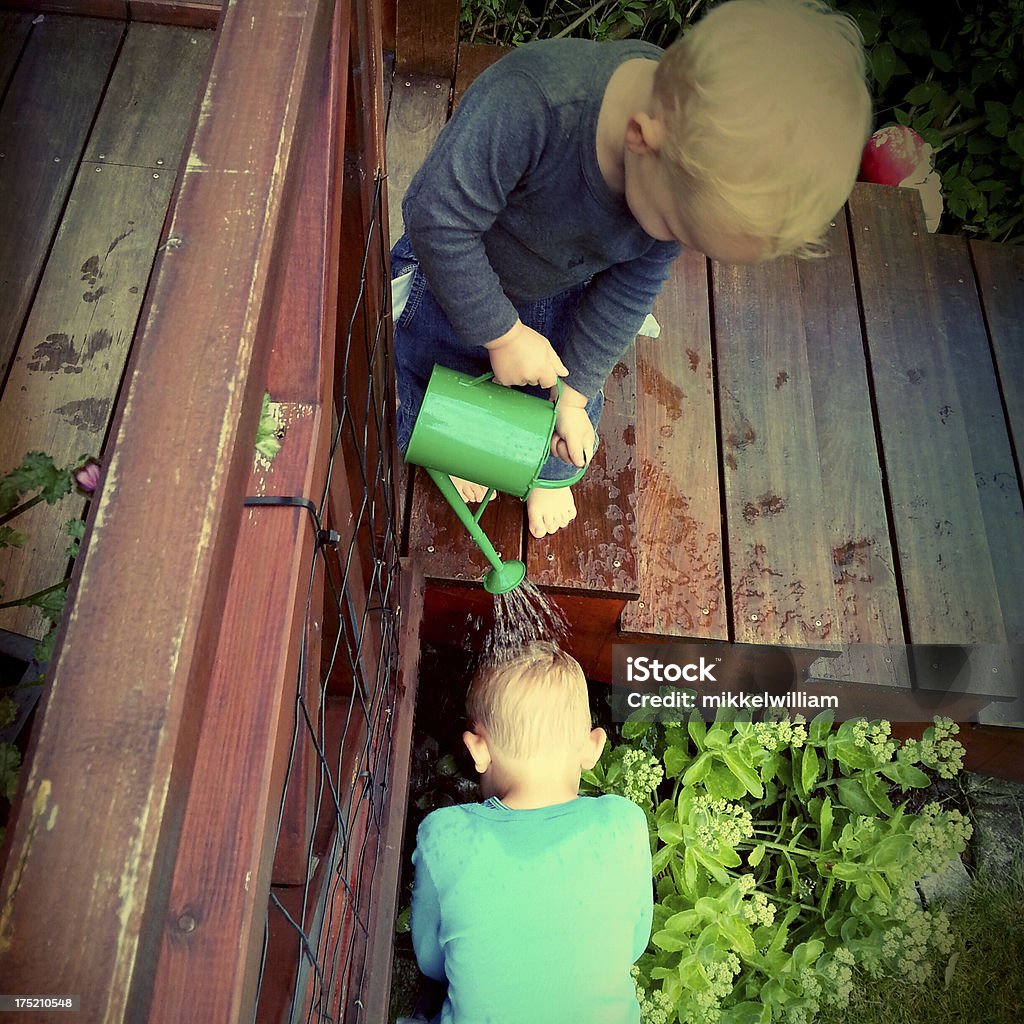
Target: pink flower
(87, 476)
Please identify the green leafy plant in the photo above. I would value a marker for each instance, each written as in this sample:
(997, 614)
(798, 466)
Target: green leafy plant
(954, 74)
(782, 863)
(37, 479)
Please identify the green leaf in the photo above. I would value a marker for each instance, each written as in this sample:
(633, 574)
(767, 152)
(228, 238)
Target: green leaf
(892, 852)
(661, 858)
(806, 953)
(744, 773)
(37, 472)
(756, 855)
(820, 726)
(743, 1013)
(10, 764)
(825, 823)
(670, 833)
(851, 794)
(698, 770)
(697, 730)
(878, 794)
(810, 768)
(671, 943)
(738, 934)
(675, 760)
(690, 870)
(722, 784)
(712, 866)
(885, 63)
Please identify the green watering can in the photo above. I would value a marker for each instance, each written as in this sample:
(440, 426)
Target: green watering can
(472, 428)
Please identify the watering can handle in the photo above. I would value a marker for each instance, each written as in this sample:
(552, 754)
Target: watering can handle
(490, 376)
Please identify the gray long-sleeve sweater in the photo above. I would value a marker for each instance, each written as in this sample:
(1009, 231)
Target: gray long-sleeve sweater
(510, 205)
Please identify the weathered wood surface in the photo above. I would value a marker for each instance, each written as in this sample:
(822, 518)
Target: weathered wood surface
(597, 550)
(65, 378)
(374, 992)
(254, 746)
(679, 542)
(780, 572)
(472, 59)
(151, 585)
(191, 13)
(418, 111)
(925, 414)
(44, 122)
(15, 28)
(427, 37)
(1000, 272)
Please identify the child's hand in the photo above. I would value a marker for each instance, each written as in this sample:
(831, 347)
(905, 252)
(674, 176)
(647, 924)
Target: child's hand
(573, 438)
(522, 356)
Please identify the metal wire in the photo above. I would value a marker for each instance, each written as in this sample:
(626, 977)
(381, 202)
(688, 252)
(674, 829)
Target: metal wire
(361, 597)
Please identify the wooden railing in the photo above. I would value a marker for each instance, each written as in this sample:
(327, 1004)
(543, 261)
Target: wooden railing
(184, 760)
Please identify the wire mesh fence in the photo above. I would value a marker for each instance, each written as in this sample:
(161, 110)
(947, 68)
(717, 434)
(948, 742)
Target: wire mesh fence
(345, 688)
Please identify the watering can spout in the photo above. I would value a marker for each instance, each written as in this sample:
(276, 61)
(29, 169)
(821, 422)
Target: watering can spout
(504, 576)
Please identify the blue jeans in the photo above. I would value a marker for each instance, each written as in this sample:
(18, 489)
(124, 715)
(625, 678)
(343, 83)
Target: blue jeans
(425, 337)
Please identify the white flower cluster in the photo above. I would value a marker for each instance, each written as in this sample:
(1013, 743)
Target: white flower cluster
(838, 975)
(720, 822)
(942, 751)
(782, 732)
(708, 1002)
(939, 836)
(759, 910)
(875, 737)
(655, 1005)
(907, 944)
(642, 773)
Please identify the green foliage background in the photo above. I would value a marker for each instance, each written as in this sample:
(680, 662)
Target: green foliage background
(951, 70)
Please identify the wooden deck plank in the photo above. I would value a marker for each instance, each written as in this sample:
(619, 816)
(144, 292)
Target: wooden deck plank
(472, 59)
(995, 474)
(779, 555)
(945, 557)
(1000, 275)
(147, 113)
(44, 122)
(15, 27)
(853, 510)
(418, 111)
(67, 373)
(679, 515)
(597, 550)
(440, 543)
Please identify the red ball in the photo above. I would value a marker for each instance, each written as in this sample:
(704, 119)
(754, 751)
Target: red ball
(891, 154)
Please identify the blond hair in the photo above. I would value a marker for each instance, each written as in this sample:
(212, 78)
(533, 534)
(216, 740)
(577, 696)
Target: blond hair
(532, 702)
(767, 110)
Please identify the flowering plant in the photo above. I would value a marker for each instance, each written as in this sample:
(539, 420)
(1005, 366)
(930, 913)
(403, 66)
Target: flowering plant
(783, 867)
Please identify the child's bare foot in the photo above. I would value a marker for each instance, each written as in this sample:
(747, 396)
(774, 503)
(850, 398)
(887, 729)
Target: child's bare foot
(547, 511)
(469, 491)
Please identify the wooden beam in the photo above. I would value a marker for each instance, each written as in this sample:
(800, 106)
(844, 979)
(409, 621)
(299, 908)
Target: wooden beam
(376, 985)
(113, 751)
(427, 37)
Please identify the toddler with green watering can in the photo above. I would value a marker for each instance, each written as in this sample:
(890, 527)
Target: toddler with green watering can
(534, 904)
(545, 219)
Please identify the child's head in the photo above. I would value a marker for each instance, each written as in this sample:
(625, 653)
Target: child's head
(766, 111)
(534, 709)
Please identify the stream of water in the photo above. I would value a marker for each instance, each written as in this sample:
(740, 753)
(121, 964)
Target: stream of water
(522, 615)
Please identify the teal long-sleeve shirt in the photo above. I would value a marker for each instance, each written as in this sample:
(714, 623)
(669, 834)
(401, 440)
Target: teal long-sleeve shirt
(534, 916)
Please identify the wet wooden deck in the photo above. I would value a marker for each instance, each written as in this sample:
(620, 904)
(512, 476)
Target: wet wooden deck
(93, 124)
(819, 455)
